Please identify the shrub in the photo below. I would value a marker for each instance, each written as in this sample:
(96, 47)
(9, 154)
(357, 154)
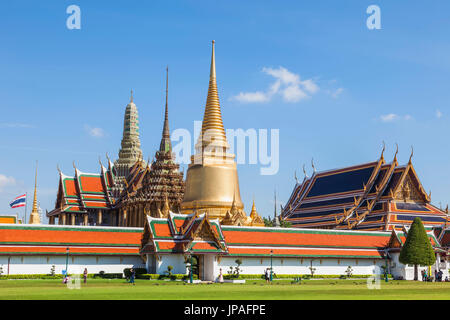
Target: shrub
(169, 271)
(349, 271)
(52, 270)
(137, 271)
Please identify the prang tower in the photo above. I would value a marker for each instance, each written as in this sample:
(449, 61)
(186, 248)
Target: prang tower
(130, 151)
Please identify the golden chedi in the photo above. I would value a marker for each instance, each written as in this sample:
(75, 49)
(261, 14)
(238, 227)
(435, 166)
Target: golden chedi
(212, 184)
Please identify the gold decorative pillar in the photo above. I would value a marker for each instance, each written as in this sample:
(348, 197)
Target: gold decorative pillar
(64, 218)
(72, 219)
(99, 217)
(85, 219)
(124, 218)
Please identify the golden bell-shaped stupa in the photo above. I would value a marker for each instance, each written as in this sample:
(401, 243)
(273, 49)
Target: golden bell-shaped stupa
(212, 182)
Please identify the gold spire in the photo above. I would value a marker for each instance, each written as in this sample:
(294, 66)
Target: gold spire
(253, 213)
(131, 96)
(34, 216)
(212, 119)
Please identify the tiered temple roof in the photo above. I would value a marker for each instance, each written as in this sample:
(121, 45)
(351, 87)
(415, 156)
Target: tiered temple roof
(84, 191)
(194, 232)
(371, 196)
(45, 240)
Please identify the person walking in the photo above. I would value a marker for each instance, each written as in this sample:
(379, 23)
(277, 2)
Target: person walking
(132, 274)
(85, 273)
(266, 275)
(220, 276)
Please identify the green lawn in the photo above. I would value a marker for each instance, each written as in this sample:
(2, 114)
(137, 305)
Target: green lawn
(253, 289)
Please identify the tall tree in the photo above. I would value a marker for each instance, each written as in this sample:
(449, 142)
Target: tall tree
(417, 249)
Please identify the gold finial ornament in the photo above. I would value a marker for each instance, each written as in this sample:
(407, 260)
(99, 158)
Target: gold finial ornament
(396, 151)
(211, 179)
(382, 151)
(131, 96)
(412, 153)
(34, 216)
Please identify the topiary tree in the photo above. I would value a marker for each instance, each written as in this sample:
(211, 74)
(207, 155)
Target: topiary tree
(169, 271)
(349, 271)
(237, 269)
(417, 249)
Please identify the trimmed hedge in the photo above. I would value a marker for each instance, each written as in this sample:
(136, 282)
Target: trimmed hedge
(59, 276)
(302, 276)
(149, 276)
(137, 272)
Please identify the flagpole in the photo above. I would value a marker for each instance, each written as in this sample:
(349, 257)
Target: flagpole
(26, 201)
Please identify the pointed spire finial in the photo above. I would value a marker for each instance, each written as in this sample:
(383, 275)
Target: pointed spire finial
(213, 132)
(382, 151)
(34, 216)
(275, 206)
(312, 164)
(166, 145)
(396, 151)
(412, 153)
(131, 96)
(304, 171)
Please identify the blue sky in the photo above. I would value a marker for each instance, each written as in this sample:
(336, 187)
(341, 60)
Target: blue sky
(391, 84)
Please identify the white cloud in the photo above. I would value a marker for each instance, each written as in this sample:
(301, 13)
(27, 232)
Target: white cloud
(287, 84)
(94, 132)
(6, 182)
(438, 114)
(252, 97)
(336, 93)
(388, 117)
(393, 117)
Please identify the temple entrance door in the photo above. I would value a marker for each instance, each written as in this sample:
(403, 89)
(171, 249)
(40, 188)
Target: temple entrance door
(198, 266)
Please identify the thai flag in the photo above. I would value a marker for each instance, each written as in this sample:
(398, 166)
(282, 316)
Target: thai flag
(19, 201)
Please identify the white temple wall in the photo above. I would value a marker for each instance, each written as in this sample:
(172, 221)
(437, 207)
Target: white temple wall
(211, 270)
(325, 266)
(399, 270)
(174, 260)
(43, 264)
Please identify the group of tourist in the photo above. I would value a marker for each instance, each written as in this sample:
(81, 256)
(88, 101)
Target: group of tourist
(437, 276)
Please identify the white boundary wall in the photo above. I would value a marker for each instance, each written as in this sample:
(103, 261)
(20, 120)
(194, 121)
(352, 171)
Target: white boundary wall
(42, 264)
(254, 265)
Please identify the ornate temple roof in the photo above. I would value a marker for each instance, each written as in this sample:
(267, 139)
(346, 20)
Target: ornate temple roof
(181, 233)
(84, 191)
(81, 240)
(374, 195)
